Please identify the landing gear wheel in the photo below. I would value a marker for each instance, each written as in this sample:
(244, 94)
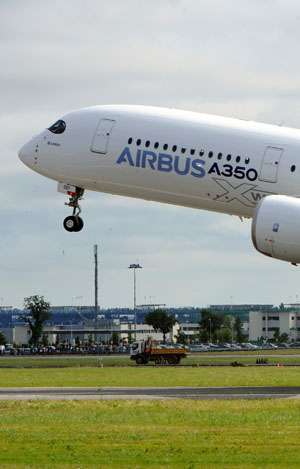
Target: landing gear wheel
(73, 223)
(69, 223)
(79, 224)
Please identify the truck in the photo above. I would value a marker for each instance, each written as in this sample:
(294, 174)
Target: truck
(145, 351)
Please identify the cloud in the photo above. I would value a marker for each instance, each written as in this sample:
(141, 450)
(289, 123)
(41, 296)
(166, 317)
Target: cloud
(221, 57)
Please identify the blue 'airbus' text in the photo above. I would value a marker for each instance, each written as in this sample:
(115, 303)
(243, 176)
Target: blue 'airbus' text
(163, 162)
(183, 166)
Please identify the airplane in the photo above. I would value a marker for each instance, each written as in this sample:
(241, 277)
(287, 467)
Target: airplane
(178, 157)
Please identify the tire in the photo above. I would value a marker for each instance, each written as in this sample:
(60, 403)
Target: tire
(73, 224)
(78, 224)
(139, 361)
(172, 360)
(177, 360)
(69, 224)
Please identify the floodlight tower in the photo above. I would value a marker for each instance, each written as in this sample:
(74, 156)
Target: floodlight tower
(134, 267)
(96, 279)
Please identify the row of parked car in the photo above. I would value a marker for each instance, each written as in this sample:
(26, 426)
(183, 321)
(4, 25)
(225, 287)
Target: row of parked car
(64, 350)
(104, 349)
(239, 347)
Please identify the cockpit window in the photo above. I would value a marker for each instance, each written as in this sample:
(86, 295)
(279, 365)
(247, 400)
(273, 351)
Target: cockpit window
(58, 128)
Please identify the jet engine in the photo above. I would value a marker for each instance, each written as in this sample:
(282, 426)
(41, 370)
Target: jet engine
(276, 228)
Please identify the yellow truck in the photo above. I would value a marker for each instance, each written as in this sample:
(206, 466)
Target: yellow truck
(145, 351)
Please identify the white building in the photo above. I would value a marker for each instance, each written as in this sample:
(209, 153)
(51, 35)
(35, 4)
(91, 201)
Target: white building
(190, 330)
(20, 334)
(265, 323)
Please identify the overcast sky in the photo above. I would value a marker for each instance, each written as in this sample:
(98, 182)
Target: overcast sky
(217, 56)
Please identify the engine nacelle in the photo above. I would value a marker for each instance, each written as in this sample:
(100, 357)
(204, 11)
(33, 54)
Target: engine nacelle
(276, 228)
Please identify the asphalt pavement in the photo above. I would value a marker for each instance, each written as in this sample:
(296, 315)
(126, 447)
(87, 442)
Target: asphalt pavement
(201, 393)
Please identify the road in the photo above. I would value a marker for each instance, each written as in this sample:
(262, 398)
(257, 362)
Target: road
(95, 393)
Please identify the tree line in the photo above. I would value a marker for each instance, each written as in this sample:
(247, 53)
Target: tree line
(214, 327)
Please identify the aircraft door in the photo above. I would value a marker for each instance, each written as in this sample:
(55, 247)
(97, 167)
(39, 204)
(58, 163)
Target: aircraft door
(270, 164)
(101, 138)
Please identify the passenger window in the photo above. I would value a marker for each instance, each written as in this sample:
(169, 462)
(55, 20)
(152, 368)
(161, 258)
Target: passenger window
(147, 144)
(183, 150)
(228, 157)
(174, 148)
(210, 154)
(138, 142)
(219, 156)
(201, 152)
(129, 140)
(58, 128)
(192, 151)
(293, 167)
(165, 147)
(247, 160)
(156, 145)
(238, 159)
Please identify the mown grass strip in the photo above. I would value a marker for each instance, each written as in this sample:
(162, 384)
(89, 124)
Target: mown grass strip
(127, 434)
(104, 361)
(148, 376)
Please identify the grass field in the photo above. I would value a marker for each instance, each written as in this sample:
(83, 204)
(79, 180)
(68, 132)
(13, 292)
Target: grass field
(169, 434)
(222, 358)
(147, 434)
(151, 376)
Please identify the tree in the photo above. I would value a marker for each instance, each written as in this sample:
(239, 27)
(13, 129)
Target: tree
(115, 338)
(37, 312)
(284, 337)
(237, 326)
(181, 338)
(276, 335)
(130, 337)
(45, 340)
(161, 321)
(57, 340)
(3, 340)
(210, 323)
(77, 341)
(224, 334)
(90, 340)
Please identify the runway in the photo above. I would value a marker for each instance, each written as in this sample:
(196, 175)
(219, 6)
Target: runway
(94, 393)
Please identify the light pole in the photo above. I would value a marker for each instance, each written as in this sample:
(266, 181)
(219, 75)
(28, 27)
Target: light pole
(232, 329)
(96, 279)
(209, 330)
(134, 267)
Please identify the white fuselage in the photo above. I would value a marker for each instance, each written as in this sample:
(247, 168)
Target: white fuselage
(171, 156)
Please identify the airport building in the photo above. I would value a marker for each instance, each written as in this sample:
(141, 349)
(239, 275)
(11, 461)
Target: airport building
(68, 323)
(263, 324)
(20, 334)
(80, 315)
(241, 310)
(190, 330)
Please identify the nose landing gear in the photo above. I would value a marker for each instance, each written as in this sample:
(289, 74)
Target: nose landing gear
(74, 222)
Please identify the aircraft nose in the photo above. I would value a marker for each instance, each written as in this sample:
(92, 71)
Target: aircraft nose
(28, 154)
